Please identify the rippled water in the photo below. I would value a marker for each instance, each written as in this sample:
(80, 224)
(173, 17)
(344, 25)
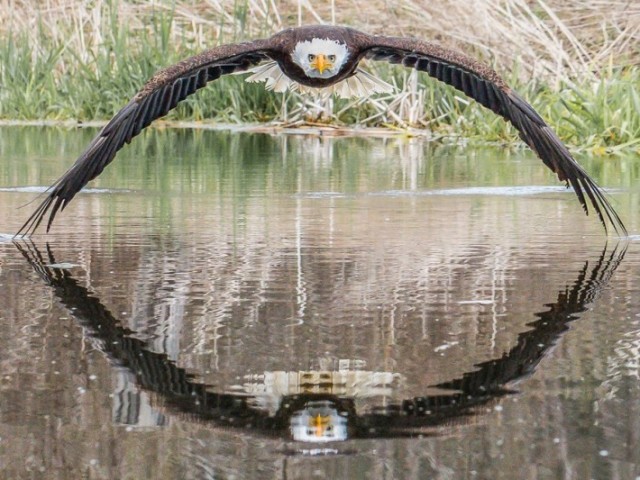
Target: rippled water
(227, 305)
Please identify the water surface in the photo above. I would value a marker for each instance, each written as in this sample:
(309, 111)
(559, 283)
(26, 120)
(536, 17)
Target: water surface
(233, 305)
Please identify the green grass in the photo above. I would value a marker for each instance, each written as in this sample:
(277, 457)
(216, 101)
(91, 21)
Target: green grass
(46, 79)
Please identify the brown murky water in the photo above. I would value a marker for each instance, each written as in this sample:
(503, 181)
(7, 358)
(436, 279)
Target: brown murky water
(224, 305)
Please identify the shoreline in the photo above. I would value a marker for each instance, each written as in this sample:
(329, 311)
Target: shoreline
(274, 128)
(302, 128)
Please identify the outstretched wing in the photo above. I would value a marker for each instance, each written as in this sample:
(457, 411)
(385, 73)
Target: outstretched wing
(158, 96)
(484, 85)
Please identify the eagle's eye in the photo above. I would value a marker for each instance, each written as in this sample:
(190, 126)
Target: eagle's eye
(311, 57)
(332, 58)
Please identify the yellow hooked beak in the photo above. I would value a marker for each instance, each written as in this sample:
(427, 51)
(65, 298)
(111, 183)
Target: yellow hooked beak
(321, 63)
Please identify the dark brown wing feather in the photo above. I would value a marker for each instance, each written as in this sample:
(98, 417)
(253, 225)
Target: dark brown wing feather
(158, 96)
(485, 86)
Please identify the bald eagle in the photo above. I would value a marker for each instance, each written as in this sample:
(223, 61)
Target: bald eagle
(322, 57)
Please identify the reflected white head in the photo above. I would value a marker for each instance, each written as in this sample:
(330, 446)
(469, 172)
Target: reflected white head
(320, 58)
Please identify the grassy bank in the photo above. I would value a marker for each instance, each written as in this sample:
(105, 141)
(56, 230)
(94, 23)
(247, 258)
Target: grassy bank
(66, 59)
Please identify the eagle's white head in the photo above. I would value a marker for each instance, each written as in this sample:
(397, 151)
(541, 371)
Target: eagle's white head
(323, 62)
(320, 58)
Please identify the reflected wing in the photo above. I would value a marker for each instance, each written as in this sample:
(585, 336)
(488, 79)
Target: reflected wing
(486, 87)
(158, 96)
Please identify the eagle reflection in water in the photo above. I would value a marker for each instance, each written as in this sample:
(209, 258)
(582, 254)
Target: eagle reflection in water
(320, 407)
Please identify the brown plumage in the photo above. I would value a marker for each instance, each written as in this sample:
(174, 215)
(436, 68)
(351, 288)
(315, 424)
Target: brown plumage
(171, 85)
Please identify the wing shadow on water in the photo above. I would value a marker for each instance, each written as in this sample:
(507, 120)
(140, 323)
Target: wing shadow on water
(325, 417)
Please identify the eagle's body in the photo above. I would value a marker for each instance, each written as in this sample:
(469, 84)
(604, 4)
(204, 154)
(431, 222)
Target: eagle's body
(302, 72)
(322, 57)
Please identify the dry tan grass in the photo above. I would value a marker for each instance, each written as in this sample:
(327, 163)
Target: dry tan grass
(556, 39)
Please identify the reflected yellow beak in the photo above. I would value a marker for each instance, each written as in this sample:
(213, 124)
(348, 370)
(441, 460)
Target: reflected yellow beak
(321, 63)
(320, 423)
